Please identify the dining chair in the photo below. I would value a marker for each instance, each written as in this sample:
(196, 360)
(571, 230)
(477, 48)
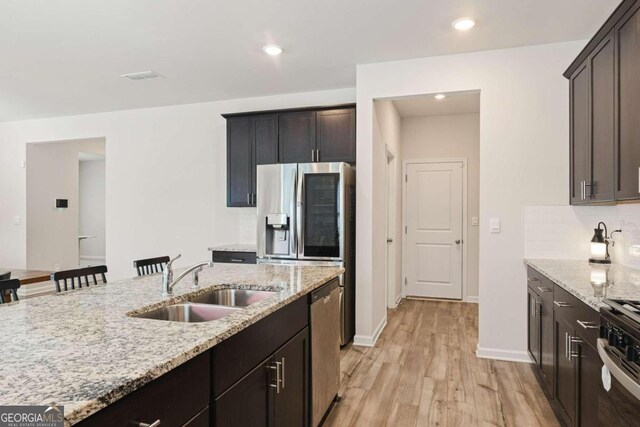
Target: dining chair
(5, 276)
(61, 277)
(11, 285)
(150, 265)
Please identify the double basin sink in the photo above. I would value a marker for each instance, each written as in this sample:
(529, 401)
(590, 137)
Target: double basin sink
(212, 305)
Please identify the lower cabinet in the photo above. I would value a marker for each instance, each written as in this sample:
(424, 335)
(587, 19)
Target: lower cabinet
(562, 333)
(274, 393)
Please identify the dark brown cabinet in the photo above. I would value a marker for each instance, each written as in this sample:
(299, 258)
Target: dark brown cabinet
(605, 112)
(588, 377)
(251, 141)
(287, 136)
(534, 327)
(336, 135)
(540, 324)
(628, 147)
(565, 373)
(297, 140)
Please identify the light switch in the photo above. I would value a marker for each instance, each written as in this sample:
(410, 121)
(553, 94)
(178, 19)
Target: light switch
(474, 220)
(17, 220)
(494, 225)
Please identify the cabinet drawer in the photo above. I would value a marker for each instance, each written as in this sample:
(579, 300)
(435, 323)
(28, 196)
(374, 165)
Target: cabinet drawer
(234, 257)
(539, 283)
(582, 318)
(175, 399)
(200, 420)
(239, 354)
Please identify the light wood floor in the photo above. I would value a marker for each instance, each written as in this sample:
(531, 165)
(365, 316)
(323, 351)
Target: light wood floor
(423, 371)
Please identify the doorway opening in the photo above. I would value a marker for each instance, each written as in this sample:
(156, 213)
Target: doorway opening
(438, 161)
(66, 204)
(393, 296)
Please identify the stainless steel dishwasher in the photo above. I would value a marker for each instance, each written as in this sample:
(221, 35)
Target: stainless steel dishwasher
(325, 348)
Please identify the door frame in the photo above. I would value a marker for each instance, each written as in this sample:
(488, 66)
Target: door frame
(465, 258)
(390, 229)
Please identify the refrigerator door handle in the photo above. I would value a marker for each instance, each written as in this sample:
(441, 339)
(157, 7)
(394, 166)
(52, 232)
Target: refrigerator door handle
(300, 216)
(294, 233)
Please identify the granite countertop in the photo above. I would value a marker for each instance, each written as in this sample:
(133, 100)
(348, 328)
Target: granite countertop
(236, 247)
(575, 277)
(80, 349)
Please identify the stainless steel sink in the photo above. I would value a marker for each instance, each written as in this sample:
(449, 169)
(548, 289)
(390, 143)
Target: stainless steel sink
(189, 312)
(232, 297)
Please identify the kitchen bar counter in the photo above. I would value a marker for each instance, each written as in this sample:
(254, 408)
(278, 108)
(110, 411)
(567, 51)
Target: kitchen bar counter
(81, 349)
(575, 277)
(235, 247)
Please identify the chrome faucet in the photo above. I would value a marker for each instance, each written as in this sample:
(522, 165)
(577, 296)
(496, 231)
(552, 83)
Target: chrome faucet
(167, 275)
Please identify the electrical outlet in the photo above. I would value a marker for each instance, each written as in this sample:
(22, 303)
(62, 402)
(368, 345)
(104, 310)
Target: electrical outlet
(17, 220)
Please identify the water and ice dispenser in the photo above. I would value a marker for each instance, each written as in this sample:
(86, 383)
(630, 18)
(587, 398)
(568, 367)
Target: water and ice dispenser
(277, 234)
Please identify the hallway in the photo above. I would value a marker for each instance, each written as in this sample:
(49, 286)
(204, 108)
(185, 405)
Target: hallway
(423, 372)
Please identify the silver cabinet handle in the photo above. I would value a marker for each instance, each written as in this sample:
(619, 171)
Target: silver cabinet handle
(236, 260)
(590, 185)
(566, 345)
(532, 279)
(156, 423)
(317, 155)
(627, 382)
(278, 374)
(587, 324)
(313, 155)
(283, 373)
(248, 198)
(562, 304)
(544, 289)
(572, 341)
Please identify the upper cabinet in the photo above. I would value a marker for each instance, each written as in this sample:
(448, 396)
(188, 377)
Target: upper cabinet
(605, 112)
(628, 146)
(323, 134)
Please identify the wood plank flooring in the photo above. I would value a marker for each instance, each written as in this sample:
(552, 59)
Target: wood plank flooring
(423, 371)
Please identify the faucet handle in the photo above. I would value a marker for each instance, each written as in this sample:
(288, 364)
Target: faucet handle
(169, 264)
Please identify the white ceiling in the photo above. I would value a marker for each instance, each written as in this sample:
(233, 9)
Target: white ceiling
(65, 57)
(427, 105)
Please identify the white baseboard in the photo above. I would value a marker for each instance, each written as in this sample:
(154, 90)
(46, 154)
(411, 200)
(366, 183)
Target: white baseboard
(395, 304)
(506, 355)
(370, 340)
(473, 299)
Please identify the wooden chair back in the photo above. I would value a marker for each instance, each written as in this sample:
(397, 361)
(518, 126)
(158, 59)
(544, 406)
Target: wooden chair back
(11, 285)
(69, 278)
(150, 265)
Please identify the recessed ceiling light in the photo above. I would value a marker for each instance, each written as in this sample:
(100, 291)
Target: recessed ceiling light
(440, 96)
(464, 24)
(272, 50)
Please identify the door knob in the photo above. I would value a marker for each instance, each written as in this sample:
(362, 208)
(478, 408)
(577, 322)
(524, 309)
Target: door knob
(389, 240)
(458, 242)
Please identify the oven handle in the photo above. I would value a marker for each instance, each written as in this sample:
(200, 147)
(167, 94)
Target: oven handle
(626, 381)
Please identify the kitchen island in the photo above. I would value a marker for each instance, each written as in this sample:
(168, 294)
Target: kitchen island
(85, 349)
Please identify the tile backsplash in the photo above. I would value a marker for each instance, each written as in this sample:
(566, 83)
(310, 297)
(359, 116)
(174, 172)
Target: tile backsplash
(564, 232)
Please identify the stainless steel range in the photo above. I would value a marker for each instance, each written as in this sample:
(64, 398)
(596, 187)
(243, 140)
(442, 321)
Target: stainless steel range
(306, 215)
(619, 350)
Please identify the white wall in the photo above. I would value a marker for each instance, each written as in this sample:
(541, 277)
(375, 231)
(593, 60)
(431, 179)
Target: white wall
(524, 159)
(451, 136)
(166, 177)
(92, 200)
(52, 173)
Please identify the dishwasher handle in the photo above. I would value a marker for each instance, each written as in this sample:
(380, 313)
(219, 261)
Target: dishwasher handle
(324, 292)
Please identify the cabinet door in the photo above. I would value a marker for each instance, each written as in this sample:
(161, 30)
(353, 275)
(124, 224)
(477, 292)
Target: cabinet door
(546, 342)
(628, 147)
(297, 137)
(336, 135)
(291, 404)
(565, 377)
(239, 161)
(580, 145)
(602, 122)
(534, 327)
(265, 146)
(247, 403)
(588, 374)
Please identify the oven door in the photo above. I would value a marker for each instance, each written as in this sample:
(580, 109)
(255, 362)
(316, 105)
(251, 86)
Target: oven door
(619, 394)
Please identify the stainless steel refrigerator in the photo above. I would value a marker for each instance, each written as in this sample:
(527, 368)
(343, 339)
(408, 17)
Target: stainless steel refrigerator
(306, 215)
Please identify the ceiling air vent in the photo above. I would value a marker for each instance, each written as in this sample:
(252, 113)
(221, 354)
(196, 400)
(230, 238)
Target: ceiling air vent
(144, 75)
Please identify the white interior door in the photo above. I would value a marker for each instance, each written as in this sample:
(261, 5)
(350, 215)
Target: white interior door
(433, 257)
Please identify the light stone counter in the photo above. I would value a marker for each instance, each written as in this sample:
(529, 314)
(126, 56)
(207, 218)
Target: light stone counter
(575, 277)
(80, 349)
(236, 247)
